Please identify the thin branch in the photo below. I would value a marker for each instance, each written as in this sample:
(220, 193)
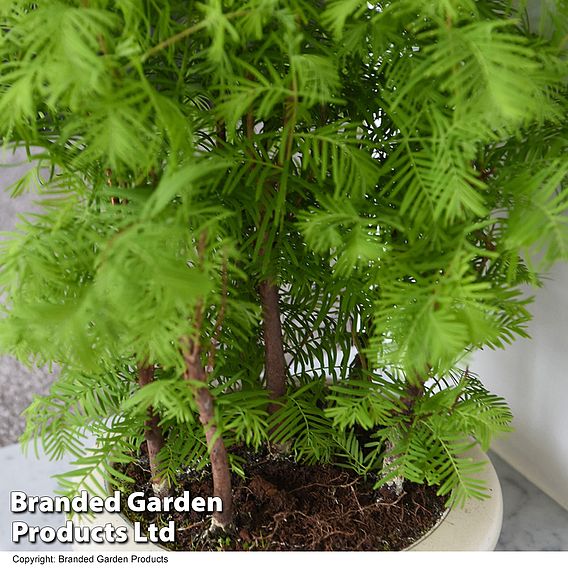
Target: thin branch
(153, 436)
(220, 316)
(275, 369)
(186, 33)
(489, 245)
(358, 346)
(290, 117)
(195, 371)
(250, 125)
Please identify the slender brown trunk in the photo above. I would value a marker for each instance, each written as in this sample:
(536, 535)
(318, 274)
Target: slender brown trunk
(396, 484)
(413, 392)
(217, 451)
(274, 364)
(154, 437)
(221, 131)
(274, 361)
(195, 371)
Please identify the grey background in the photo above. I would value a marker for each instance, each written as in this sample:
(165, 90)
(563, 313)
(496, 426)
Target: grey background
(18, 384)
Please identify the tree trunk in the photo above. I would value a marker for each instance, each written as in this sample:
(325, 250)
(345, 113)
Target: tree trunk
(275, 363)
(397, 483)
(154, 437)
(217, 451)
(414, 391)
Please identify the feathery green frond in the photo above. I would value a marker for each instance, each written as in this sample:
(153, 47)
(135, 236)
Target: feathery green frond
(394, 173)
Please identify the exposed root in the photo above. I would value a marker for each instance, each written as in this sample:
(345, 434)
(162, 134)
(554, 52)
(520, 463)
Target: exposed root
(396, 485)
(284, 505)
(161, 489)
(215, 533)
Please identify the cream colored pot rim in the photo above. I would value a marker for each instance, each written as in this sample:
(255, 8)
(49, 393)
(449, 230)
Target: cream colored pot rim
(474, 527)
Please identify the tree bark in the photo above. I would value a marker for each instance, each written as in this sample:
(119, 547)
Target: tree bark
(397, 483)
(274, 363)
(217, 451)
(154, 437)
(274, 360)
(414, 391)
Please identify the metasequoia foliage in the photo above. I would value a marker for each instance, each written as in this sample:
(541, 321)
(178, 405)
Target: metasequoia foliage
(376, 182)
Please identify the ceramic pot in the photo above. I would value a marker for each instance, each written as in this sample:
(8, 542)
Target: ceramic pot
(476, 526)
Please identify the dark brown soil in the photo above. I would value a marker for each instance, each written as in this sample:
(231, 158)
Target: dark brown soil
(284, 505)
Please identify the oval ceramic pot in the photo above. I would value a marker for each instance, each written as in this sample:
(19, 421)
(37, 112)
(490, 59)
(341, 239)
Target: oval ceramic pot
(475, 527)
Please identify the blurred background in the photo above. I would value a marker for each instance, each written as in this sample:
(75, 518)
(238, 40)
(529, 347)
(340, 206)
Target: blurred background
(17, 383)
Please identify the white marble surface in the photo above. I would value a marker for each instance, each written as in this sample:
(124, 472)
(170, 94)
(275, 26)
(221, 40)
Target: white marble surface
(32, 476)
(532, 520)
(18, 384)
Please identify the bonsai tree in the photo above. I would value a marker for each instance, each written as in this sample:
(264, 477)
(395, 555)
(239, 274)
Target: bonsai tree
(278, 223)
